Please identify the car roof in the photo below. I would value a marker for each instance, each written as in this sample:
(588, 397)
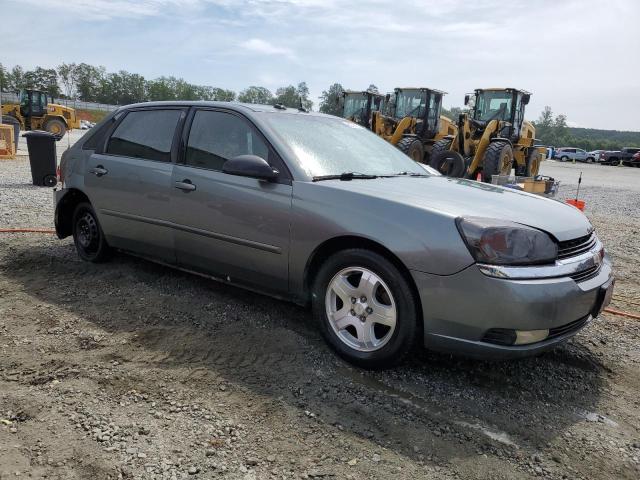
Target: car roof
(252, 107)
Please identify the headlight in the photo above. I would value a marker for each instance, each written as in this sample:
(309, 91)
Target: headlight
(500, 242)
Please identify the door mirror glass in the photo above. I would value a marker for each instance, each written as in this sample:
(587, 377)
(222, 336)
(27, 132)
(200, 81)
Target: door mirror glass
(466, 99)
(525, 98)
(250, 166)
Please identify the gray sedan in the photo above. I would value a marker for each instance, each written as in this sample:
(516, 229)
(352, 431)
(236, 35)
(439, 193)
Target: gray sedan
(320, 211)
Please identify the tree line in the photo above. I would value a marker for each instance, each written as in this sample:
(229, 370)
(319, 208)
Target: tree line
(94, 84)
(554, 131)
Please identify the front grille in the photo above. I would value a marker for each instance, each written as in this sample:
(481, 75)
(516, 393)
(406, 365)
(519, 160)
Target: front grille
(568, 328)
(586, 274)
(572, 248)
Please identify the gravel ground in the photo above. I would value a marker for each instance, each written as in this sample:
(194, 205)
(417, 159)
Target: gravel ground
(133, 370)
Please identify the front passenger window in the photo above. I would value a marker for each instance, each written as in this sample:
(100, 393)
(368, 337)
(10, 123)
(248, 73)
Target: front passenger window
(215, 137)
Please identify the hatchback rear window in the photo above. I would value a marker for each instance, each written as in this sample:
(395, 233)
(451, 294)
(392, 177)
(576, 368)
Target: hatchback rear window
(145, 134)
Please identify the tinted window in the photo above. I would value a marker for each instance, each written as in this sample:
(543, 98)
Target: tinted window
(145, 134)
(215, 137)
(96, 135)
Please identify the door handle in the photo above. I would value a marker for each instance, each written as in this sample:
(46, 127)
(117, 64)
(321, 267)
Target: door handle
(99, 171)
(185, 186)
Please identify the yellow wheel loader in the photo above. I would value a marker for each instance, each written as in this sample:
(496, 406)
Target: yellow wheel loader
(492, 138)
(34, 112)
(414, 123)
(358, 106)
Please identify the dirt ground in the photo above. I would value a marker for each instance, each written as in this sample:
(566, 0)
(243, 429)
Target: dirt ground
(133, 370)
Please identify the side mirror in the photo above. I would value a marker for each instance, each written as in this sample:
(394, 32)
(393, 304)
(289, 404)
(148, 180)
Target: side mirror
(466, 99)
(250, 166)
(387, 97)
(525, 98)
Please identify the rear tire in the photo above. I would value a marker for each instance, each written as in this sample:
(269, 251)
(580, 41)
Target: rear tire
(56, 126)
(498, 160)
(412, 147)
(449, 163)
(564, 158)
(88, 236)
(381, 292)
(614, 162)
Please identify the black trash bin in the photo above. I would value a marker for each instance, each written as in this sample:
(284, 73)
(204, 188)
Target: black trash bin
(42, 157)
(11, 120)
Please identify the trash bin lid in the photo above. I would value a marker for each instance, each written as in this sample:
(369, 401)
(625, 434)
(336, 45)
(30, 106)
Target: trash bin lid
(38, 133)
(41, 134)
(10, 120)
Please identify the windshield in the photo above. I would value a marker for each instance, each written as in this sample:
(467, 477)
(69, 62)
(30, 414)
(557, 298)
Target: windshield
(410, 103)
(332, 146)
(494, 105)
(354, 105)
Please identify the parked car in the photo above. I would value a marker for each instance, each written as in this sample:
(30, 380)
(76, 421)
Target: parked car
(594, 156)
(569, 153)
(635, 160)
(320, 211)
(615, 157)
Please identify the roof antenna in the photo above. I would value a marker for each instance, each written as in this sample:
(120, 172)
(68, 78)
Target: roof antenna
(301, 107)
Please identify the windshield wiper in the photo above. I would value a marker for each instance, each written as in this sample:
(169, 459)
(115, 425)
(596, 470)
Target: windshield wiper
(345, 176)
(412, 174)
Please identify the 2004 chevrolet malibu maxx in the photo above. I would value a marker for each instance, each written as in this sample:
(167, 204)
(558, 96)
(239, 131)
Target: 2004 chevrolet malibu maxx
(319, 210)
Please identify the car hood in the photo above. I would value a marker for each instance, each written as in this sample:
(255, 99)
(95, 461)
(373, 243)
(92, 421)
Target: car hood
(458, 197)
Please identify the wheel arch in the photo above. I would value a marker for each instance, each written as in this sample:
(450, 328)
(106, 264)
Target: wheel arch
(345, 242)
(64, 211)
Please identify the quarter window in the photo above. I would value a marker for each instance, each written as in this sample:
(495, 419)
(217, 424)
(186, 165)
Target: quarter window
(215, 137)
(145, 134)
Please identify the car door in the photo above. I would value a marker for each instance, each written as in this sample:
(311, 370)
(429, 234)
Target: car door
(128, 181)
(233, 227)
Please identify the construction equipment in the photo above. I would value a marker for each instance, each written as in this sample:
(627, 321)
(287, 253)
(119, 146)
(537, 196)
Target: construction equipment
(35, 112)
(414, 122)
(358, 106)
(492, 138)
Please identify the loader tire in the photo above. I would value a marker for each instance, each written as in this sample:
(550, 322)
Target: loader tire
(412, 147)
(498, 160)
(532, 166)
(448, 163)
(440, 146)
(56, 126)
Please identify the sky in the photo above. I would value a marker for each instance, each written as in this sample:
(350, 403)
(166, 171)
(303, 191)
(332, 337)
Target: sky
(580, 57)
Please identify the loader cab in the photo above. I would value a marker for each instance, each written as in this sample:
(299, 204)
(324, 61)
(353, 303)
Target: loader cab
(506, 105)
(357, 106)
(33, 103)
(424, 104)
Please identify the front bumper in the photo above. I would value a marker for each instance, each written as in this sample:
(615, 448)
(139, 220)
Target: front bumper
(460, 309)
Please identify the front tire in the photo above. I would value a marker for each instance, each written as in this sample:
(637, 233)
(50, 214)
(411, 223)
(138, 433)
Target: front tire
(449, 163)
(498, 160)
(56, 126)
(412, 147)
(365, 309)
(532, 163)
(88, 237)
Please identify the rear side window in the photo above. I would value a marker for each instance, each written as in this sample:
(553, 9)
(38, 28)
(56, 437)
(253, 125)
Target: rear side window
(95, 137)
(215, 137)
(145, 134)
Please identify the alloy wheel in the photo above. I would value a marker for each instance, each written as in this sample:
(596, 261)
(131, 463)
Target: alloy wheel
(361, 309)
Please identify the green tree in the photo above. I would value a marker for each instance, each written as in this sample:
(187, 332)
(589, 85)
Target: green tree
(15, 79)
(331, 100)
(68, 76)
(254, 94)
(373, 88)
(88, 81)
(291, 96)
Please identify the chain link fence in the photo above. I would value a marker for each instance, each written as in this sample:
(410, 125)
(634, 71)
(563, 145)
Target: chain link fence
(76, 104)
